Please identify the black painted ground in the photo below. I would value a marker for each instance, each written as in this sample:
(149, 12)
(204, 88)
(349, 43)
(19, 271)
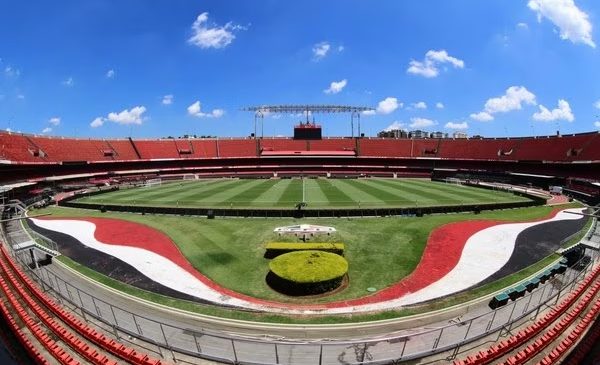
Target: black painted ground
(109, 265)
(536, 243)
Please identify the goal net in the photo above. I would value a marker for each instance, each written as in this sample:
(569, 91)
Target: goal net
(153, 182)
(453, 180)
(189, 177)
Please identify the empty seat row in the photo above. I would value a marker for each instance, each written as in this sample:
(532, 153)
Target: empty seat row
(29, 347)
(563, 347)
(29, 148)
(66, 335)
(126, 353)
(503, 347)
(56, 350)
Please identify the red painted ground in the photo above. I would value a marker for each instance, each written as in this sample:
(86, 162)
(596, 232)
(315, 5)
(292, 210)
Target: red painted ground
(125, 233)
(557, 199)
(442, 253)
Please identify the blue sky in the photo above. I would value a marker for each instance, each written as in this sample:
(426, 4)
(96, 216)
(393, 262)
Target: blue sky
(156, 68)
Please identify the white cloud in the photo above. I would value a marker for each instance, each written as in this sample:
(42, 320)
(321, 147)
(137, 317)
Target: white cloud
(513, 99)
(596, 124)
(523, 26)
(98, 122)
(396, 125)
(388, 105)
(20, 96)
(562, 112)
(453, 125)
(336, 86)
(482, 116)
(125, 117)
(167, 99)
(196, 110)
(212, 36)
(12, 72)
(597, 104)
(69, 82)
(320, 50)
(341, 48)
(54, 121)
(132, 116)
(439, 105)
(10, 130)
(110, 74)
(46, 130)
(429, 67)
(217, 113)
(443, 57)
(419, 105)
(573, 23)
(421, 122)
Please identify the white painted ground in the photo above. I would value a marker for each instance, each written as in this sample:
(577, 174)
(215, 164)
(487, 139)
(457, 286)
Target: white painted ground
(484, 253)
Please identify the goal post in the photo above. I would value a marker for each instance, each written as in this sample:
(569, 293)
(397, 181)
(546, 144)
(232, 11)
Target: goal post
(453, 180)
(189, 177)
(153, 182)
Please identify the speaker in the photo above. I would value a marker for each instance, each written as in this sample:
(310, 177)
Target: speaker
(477, 210)
(419, 213)
(102, 209)
(210, 214)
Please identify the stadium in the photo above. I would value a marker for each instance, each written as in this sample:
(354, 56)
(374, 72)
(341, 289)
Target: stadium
(299, 183)
(177, 250)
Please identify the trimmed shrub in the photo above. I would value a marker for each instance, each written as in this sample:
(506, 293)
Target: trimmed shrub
(275, 249)
(307, 272)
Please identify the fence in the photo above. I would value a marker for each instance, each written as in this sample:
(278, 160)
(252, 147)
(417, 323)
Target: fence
(181, 342)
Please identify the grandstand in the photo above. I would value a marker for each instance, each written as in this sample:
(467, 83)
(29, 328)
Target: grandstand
(535, 159)
(54, 319)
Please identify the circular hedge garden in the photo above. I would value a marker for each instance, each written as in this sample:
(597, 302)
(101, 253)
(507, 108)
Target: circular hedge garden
(306, 272)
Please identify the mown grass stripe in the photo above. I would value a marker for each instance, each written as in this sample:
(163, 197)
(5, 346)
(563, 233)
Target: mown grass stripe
(453, 192)
(313, 193)
(413, 195)
(239, 187)
(421, 195)
(197, 194)
(459, 190)
(248, 195)
(383, 193)
(335, 196)
(476, 191)
(151, 193)
(448, 194)
(292, 193)
(273, 195)
(127, 192)
(358, 195)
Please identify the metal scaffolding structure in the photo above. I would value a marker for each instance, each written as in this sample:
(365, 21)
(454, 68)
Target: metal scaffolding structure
(307, 110)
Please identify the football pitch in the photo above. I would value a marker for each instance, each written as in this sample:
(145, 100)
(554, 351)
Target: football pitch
(320, 193)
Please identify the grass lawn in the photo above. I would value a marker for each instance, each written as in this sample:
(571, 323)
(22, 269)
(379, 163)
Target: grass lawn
(317, 193)
(380, 252)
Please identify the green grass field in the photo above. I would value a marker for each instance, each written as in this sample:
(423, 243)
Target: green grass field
(318, 193)
(380, 252)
